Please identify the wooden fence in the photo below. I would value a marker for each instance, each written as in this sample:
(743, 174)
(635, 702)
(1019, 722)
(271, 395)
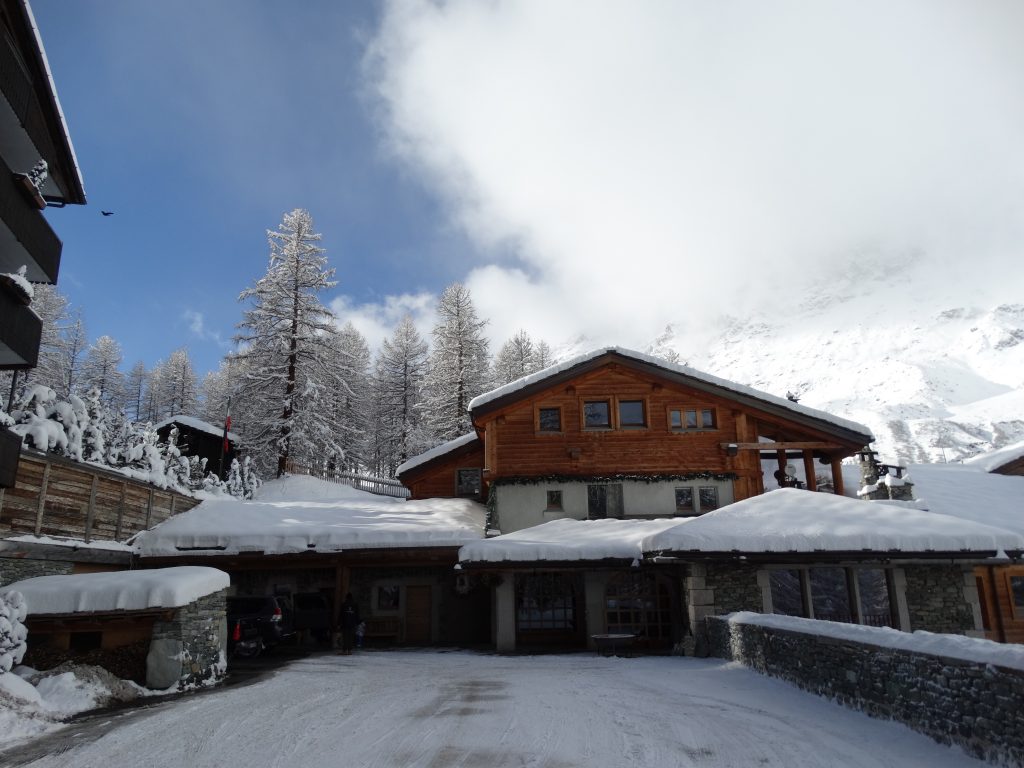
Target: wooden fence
(381, 486)
(54, 496)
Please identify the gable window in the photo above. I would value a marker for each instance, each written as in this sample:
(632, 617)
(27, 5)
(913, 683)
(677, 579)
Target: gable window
(554, 500)
(549, 420)
(604, 501)
(692, 418)
(708, 498)
(1017, 595)
(684, 502)
(596, 414)
(631, 413)
(467, 483)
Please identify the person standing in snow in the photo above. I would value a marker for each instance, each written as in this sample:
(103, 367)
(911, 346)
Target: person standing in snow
(348, 620)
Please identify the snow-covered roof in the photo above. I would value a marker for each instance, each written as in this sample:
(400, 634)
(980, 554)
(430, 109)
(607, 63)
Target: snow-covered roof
(683, 370)
(791, 520)
(567, 540)
(303, 514)
(119, 590)
(435, 452)
(197, 424)
(993, 460)
(969, 492)
(71, 543)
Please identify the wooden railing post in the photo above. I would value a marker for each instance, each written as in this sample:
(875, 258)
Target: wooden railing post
(149, 508)
(91, 513)
(120, 511)
(42, 497)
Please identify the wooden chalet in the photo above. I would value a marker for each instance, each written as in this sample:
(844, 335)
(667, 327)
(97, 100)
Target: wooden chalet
(32, 135)
(616, 433)
(200, 438)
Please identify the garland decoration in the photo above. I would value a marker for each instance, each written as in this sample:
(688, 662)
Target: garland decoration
(613, 478)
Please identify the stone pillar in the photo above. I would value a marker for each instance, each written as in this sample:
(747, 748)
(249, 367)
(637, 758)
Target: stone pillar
(190, 648)
(594, 584)
(700, 602)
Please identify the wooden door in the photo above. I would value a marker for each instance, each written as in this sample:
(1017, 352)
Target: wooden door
(418, 614)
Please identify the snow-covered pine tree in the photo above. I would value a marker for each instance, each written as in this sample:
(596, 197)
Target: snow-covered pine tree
(287, 378)
(515, 359)
(134, 391)
(72, 349)
(152, 400)
(542, 357)
(398, 408)
(351, 403)
(178, 384)
(459, 368)
(94, 432)
(13, 634)
(217, 387)
(101, 370)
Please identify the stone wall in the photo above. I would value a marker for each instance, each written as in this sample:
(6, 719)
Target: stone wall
(715, 588)
(942, 598)
(14, 569)
(191, 648)
(977, 706)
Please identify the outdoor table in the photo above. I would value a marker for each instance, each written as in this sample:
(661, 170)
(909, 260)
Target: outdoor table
(612, 644)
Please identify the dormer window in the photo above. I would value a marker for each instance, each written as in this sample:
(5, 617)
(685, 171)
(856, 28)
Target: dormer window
(680, 419)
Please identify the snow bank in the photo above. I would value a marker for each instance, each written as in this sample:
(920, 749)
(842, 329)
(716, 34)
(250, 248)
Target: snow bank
(436, 451)
(791, 520)
(561, 540)
(683, 370)
(953, 646)
(119, 590)
(301, 514)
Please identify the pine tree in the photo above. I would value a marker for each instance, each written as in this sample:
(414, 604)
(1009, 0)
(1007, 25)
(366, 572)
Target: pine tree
(459, 369)
(180, 393)
(287, 376)
(101, 371)
(515, 359)
(70, 352)
(398, 408)
(134, 390)
(351, 402)
(542, 357)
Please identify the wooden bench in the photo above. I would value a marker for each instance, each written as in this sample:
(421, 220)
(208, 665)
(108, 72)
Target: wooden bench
(384, 627)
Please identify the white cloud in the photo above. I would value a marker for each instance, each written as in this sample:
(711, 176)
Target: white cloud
(377, 320)
(669, 160)
(197, 324)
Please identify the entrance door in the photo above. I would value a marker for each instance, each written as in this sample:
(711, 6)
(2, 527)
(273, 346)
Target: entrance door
(604, 501)
(418, 615)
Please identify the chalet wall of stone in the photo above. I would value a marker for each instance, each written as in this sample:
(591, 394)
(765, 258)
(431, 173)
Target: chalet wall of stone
(14, 569)
(191, 648)
(943, 598)
(978, 706)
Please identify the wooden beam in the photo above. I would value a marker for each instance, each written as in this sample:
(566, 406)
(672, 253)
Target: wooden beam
(837, 476)
(42, 497)
(120, 511)
(812, 481)
(149, 509)
(785, 446)
(91, 511)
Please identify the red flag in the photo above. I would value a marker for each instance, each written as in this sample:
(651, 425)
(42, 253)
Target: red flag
(227, 426)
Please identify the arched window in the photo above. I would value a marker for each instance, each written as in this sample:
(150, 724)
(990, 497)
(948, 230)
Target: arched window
(639, 604)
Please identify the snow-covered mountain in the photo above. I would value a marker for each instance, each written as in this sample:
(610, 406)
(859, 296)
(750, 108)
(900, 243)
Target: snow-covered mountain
(937, 377)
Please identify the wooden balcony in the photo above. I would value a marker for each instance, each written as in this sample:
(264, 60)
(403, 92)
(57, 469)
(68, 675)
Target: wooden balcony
(25, 236)
(20, 332)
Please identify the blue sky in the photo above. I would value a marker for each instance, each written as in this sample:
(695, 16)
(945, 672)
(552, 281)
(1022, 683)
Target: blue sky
(599, 175)
(199, 125)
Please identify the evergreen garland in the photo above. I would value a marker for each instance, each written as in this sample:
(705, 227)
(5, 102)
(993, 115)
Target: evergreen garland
(614, 478)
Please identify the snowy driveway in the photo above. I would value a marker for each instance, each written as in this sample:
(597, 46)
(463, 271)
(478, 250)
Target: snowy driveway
(433, 709)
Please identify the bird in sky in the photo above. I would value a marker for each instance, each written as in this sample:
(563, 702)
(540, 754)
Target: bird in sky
(107, 213)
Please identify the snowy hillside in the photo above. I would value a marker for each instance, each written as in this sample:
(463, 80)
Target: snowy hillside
(936, 377)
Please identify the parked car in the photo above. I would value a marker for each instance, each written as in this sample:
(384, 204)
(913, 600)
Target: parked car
(271, 616)
(313, 615)
(244, 637)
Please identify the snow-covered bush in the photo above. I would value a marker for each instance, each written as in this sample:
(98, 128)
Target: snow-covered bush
(12, 630)
(94, 431)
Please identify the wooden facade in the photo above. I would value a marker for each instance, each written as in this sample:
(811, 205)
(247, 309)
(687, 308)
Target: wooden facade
(1001, 592)
(54, 496)
(647, 420)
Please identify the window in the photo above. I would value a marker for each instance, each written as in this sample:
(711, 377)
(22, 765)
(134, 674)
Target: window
(467, 483)
(554, 500)
(708, 498)
(828, 594)
(684, 501)
(604, 501)
(388, 598)
(545, 601)
(640, 604)
(631, 413)
(596, 415)
(1017, 594)
(692, 418)
(549, 420)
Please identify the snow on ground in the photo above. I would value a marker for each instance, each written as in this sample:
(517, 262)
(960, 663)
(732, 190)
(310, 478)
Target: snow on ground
(119, 590)
(299, 514)
(953, 646)
(33, 703)
(432, 709)
(791, 520)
